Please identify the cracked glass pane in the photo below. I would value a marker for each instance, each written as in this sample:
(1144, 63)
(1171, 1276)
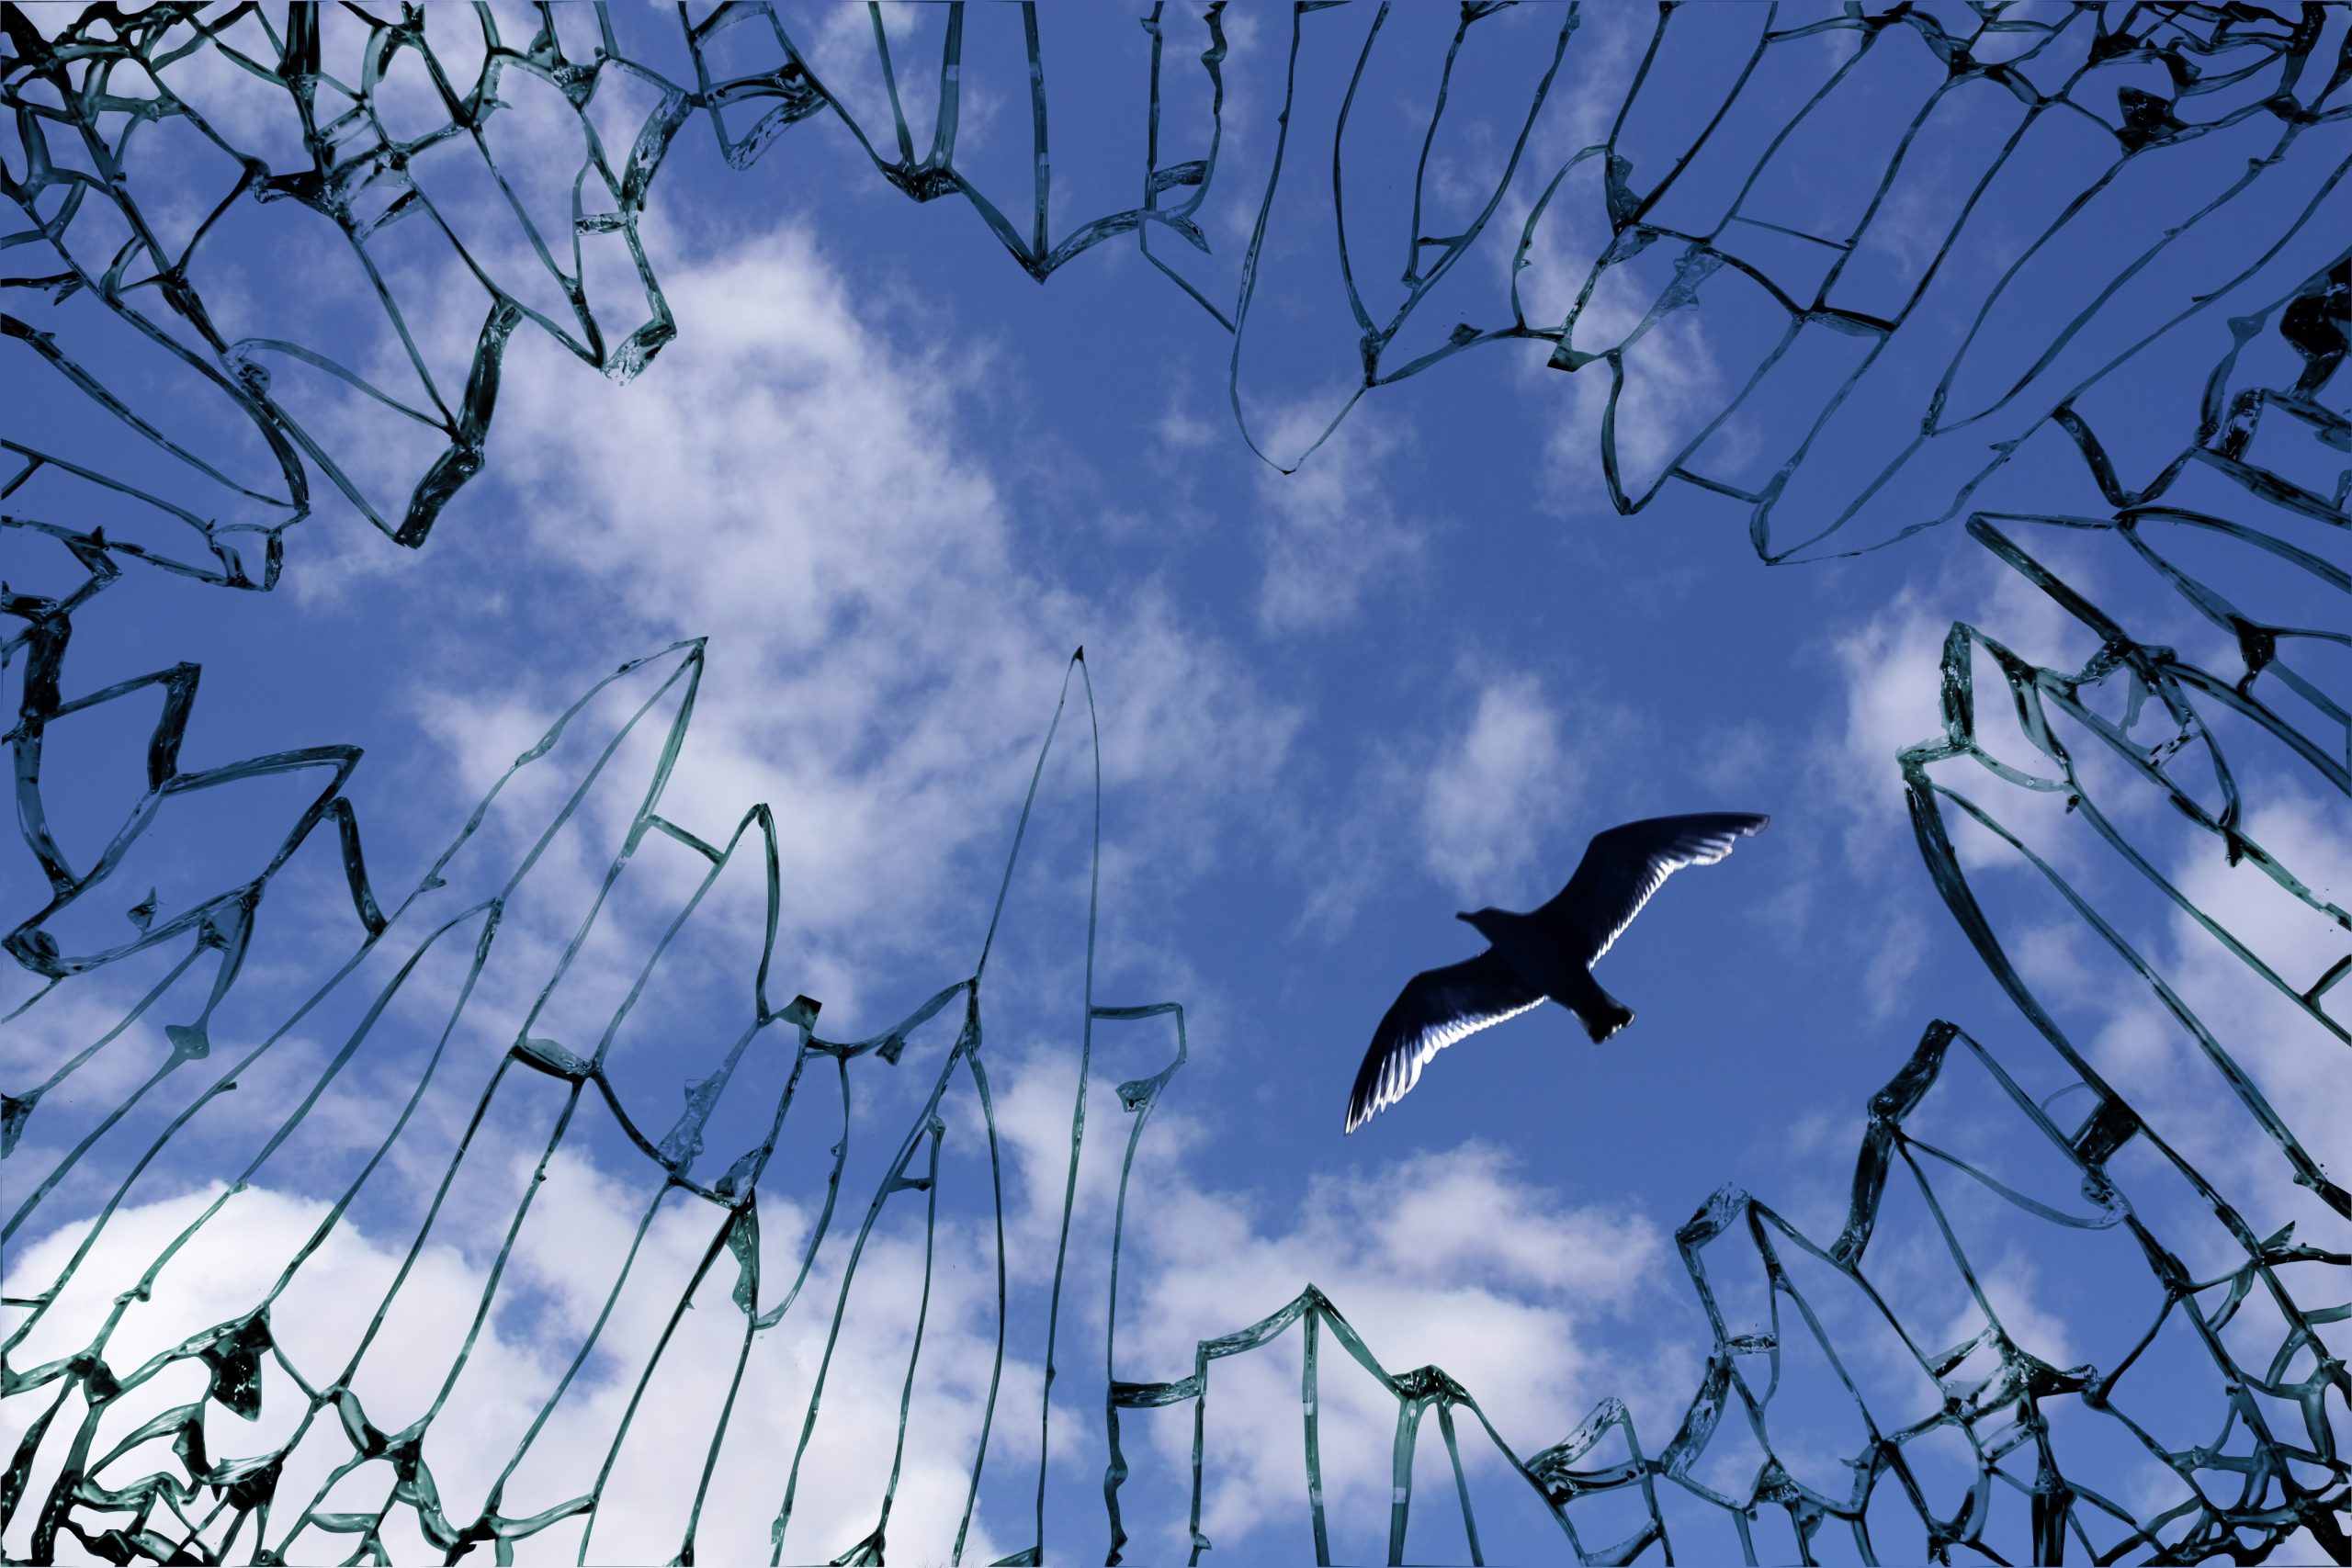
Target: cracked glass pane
(440, 1170)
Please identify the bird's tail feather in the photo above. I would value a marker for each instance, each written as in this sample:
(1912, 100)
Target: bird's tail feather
(1601, 1025)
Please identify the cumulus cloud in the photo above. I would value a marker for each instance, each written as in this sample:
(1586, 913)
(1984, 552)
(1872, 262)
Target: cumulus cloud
(554, 1291)
(887, 630)
(1451, 1257)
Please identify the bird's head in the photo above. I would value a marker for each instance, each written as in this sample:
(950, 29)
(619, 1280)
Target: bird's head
(1480, 920)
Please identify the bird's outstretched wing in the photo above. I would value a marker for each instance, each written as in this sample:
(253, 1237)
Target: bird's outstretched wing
(1622, 866)
(1436, 1007)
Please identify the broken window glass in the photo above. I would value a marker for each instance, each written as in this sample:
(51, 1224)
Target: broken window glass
(1905, 332)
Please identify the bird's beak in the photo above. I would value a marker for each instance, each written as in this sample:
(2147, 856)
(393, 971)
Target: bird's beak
(1461, 914)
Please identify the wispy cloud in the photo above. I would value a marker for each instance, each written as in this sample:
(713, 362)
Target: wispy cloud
(1332, 530)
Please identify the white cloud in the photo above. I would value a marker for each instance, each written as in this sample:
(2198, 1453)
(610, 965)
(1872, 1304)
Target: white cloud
(2291, 1062)
(1900, 947)
(808, 495)
(884, 655)
(1454, 1257)
(1473, 808)
(1494, 789)
(1181, 430)
(1332, 532)
(2010, 1285)
(552, 1291)
(1672, 385)
(1891, 671)
(1451, 1257)
(1673, 381)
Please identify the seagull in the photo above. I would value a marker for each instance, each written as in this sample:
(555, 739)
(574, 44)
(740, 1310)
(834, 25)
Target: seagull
(1549, 952)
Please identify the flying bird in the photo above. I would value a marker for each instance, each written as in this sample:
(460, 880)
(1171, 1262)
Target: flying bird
(1549, 952)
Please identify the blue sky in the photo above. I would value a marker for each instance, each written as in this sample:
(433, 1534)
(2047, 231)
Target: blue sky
(895, 484)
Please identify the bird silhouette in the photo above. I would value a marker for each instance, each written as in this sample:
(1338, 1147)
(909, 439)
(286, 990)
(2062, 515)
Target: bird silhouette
(1548, 953)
